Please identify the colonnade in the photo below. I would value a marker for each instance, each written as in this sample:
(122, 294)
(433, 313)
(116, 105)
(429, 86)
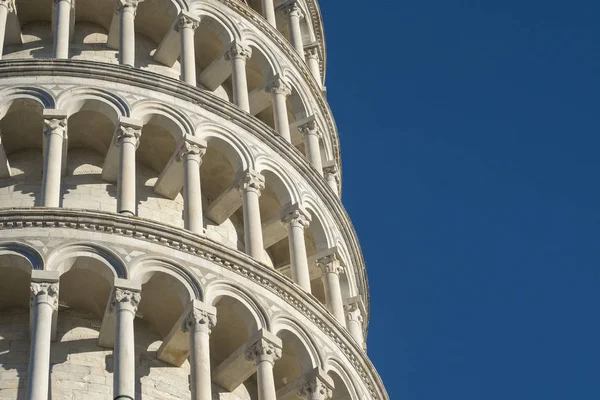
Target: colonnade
(262, 350)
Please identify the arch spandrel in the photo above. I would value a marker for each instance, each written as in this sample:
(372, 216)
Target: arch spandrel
(63, 258)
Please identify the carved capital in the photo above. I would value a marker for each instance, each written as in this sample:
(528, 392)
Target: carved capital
(330, 264)
(44, 292)
(253, 181)
(129, 134)
(297, 216)
(353, 312)
(238, 50)
(292, 9)
(332, 172)
(191, 150)
(311, 52)
(128, 5)
(278, 86)
(55, 126)
(263, 350)
(188, 22)
(124, 299)
(315, 389)
(199, 319)
(9, 4)
(310, 128)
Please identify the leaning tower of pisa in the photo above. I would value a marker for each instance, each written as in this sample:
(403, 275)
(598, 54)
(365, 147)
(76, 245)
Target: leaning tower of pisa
(170, 221)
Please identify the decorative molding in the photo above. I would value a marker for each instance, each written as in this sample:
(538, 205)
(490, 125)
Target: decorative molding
(161, 84)
(187, 242)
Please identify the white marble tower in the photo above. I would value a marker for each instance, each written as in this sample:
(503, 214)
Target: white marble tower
(170, 221)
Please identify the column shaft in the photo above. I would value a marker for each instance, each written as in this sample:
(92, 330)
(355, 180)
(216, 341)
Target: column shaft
(280, 90)
(282, 124)
(265, 380)
(240, 84)
(128, 140)
(312, 59)
(192, 193)
(251, 186)
(124, 304)
(54, 131)
(200, 364)
(3, 17)
(187, 26)
(296, 221)
(62, 29)
(43, 303)
(127, 36)
(333, 296)
(313, 151)
(296, 32)
(269, 12)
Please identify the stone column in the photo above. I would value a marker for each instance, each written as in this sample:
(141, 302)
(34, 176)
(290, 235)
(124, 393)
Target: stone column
(296, 219)
(199, 323)
(238, 54)
(6, 7)
(294, 14)
(43, 303)
(332, 176)
(331, 269)
(187, 26)
(264, 353)
(128, 140)
(316, 389)
(354, 321)
(269, 12)
(311, 54)
(191, 154)
(127, 10)
(62, 27)
(280, 90)
(55, 130)
(124, 304)
(312, 136)
(251, 185)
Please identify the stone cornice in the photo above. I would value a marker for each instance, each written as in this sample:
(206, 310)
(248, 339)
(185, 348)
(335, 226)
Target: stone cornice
(173, 87)
(233, 260)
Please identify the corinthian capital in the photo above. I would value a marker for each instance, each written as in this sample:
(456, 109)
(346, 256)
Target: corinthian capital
(238, 50)
(188, 21)
(129, 5)
(129, 134)
(311, 51)
(310, 128)
(9, 4)
(278, 86)
(199, 319)
(330, 263)
(353, 312)
(263, 350)
(125, 299)
(191, 147)
(55, 126)
(315, 389)
(252, 180)
(296, 216)
(44, 292)
(292, 9)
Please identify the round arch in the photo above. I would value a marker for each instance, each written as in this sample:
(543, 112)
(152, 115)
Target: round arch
(165, 116)
(102, 101)
(41, 96)
(62, 259)
(142, 270)
(335, 369)
(230, 31)
(282, 324)
(33, 257)
(219, 289)
(284, 187)
(228, 143)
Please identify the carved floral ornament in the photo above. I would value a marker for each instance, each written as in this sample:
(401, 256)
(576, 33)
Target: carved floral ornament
(125, 299)
(238, 50)
(55, 126)
(263, 349)
(253, 181)
(330, 264)
(199, 319)
(188, 22)
(9, 4)
(315, 386)
(130, 5)
(298, 217)
(44, 292)
(278, 86)
(129, 134)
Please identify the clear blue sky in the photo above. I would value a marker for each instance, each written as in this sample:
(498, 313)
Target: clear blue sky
(470, 136)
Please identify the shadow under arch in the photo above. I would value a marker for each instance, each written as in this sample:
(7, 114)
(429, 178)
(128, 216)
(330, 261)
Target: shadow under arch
(34, 258)
(300, 355)
(92, 99)
(63, 258)
(41, 96)
(228, 143)
(343, 384)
